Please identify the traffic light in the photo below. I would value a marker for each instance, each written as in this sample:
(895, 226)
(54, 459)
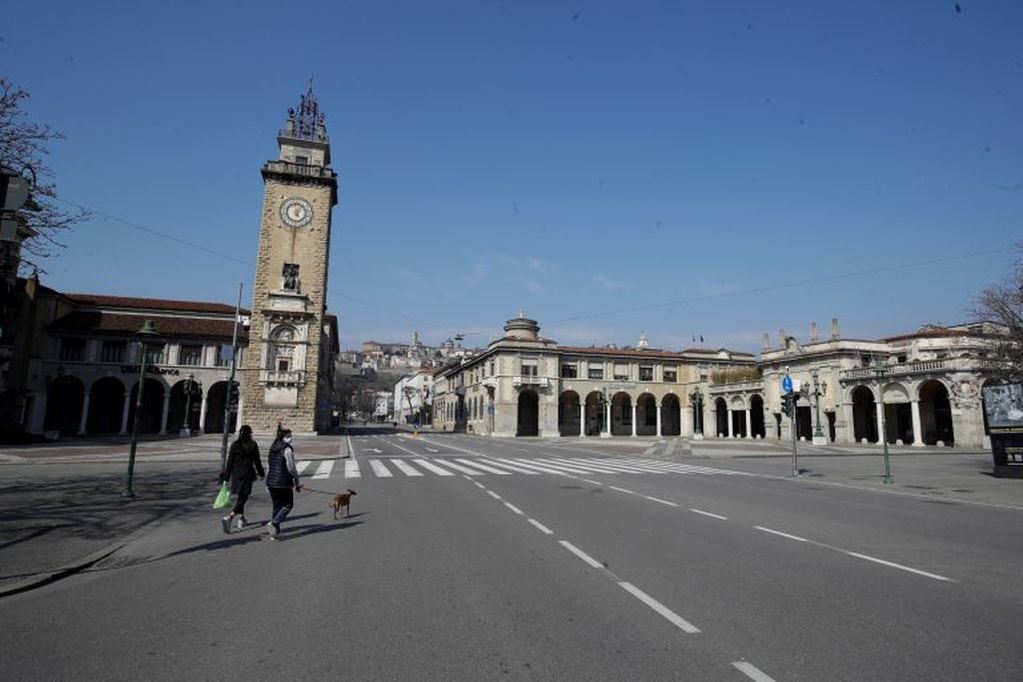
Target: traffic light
(232, 397)
(786, 405)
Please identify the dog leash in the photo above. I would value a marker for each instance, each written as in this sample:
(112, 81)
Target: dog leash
(322, 492)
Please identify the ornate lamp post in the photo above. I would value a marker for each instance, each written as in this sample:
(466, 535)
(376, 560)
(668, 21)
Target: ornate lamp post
(186, 427)
(881, 369)
(818, 434)
(146, 333)
(697, 399)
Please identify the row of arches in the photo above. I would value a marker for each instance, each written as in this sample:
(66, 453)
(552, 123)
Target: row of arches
(108, 407)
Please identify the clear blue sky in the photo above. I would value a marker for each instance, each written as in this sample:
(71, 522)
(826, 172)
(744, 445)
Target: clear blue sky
(676, 168)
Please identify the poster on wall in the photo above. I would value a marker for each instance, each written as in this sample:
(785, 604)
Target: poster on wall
(1003, 409)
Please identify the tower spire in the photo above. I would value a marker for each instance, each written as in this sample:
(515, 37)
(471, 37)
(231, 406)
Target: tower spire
(307, 122)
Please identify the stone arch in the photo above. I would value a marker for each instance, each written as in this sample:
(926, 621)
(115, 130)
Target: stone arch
(864, 414)
(64, 405)
(179, 402)
(721, 418)
(671, 415)
(216, 403)
(935, 413)
(756, 411)
(737, 415)
(529, 414)
(646, 415)
(152, 406)
(106, 406)
(568, 414)
(621, 414)
(595, 413)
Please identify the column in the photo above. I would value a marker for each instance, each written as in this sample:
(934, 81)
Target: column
(681, 420)
(918, 437)
(582, 418)
(124, 413)
(749, 422)
(85, 414)
(633, 419)
(658, 410)
(166, 410)
(202, 414)
(607, 420)
(728, 415)
(881, 435)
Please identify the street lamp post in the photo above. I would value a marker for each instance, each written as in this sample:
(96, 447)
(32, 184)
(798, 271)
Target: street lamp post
(186, 427)
(230, 382)
(881, 369)
(818, 433)
(148, 331)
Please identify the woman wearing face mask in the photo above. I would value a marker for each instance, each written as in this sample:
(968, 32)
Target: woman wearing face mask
(281, 478)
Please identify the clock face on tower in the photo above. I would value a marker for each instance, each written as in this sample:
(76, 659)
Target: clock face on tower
(296, 212)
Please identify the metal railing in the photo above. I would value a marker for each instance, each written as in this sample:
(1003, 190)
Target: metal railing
(300, 169)
(290, 377)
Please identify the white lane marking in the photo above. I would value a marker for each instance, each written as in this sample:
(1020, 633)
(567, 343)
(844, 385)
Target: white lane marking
(429, 466)
(660, 501)
(351, 450)
(379, 469)
(457, 467)
(432, 450)
(592, 482)
(784, 535)
(484, 467)
(542, 528)
(753, 672)
(581, 554)
(477, 484)
(300, 466)
(323, 471)
(660, 608)
(405, 468)
(498, 463)
(404, 449)
(376, 450)
(514, 508)
(707, 513)
(493, 494)
(352, 469)
(935, 576)
(621, 490)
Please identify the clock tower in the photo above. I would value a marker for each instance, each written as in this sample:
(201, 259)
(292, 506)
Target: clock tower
(289, 361)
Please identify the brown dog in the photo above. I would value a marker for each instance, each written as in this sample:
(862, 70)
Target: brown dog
(343, 500)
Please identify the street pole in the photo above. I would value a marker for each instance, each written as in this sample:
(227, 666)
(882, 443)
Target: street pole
(230, 381)
(187, 427)
(881, 370)
(147, 331)
(792, 428)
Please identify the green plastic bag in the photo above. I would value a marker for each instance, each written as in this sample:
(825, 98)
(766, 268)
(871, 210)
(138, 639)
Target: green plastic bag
(223, 497)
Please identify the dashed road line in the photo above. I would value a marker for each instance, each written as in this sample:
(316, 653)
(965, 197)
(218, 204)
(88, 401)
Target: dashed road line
(660, 608)
(514, 508)
(707, 513)
(784, 535)
(542, 528)
(660, 501)
(934, 576)
(581, 554)
(751, 671)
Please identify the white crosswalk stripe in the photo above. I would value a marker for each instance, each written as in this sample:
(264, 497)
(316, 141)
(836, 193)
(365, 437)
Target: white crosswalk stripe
(502, 466)
(323, 471)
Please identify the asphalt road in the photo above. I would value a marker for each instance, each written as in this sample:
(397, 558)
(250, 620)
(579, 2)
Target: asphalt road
(482, 559)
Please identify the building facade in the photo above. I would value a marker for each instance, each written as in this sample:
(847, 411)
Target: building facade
(83, 371)
(293, 348)
(928, 393)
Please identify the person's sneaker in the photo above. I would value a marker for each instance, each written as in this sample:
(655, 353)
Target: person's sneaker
(225, 523)
(272, 530)
(241, 522)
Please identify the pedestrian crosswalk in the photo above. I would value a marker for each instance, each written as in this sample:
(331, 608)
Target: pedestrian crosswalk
(496, 466)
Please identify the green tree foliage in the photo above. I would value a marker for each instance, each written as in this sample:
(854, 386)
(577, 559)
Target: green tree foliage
(735, 375)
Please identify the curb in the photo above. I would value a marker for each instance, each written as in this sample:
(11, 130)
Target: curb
(48, 577)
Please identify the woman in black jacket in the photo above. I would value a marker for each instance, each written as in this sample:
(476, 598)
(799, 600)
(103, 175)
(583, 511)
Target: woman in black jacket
(243, 466)
(281, 478)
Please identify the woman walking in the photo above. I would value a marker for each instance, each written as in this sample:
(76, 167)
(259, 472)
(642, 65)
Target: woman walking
(281, 478)
(242, 467)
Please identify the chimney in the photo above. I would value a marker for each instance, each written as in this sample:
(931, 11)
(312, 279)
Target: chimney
(813, 332)
(767, 343)
(781, 338)
(834, 329)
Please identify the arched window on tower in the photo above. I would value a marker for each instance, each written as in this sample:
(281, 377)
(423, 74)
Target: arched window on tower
(282, 350)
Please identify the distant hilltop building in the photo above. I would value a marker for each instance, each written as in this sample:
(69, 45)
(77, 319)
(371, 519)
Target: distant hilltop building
(403, 358)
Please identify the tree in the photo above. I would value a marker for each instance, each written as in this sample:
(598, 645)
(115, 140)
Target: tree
(23, 149)
(1003, 305)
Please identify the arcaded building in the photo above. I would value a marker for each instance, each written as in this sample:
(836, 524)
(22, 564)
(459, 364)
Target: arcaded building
(918, 389)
